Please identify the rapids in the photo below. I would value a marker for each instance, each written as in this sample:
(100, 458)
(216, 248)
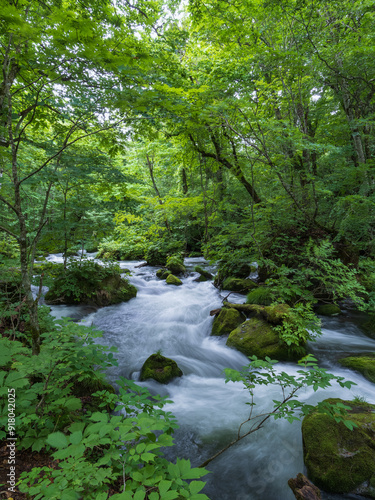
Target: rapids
(176, 320)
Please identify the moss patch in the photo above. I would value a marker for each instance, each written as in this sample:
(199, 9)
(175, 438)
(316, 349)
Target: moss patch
(257, 337)
(163, 274)
(226, 321)
(239, 285)
(173, 280)
(110, 290)
(339, 460)
(328, 310)
(363, 364)
(160, 368)
(175, 265)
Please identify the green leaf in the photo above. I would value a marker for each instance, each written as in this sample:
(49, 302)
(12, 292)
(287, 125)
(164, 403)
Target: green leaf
(196, 486)
(57, 440)
(76, 437)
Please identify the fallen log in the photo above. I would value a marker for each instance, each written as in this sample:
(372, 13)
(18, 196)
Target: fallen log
(304, 489)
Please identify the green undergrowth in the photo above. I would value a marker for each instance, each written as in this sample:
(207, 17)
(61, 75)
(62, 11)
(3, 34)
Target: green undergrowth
(112, 439)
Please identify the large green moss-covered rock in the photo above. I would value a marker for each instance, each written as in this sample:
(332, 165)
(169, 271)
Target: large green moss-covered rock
(238, 285)
(226, 321)
(111, 290)
(363, 364)
(173, 280)
(339, 460)
(328, 310)
(160, 368)
(257, 337)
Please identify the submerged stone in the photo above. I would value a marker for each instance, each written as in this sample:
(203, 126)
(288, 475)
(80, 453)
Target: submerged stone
(239, 285)
(340, 460)
(203, 273)
(364, 364)
(160, 368)
(226, 321)
(173, 280)
(257, 337)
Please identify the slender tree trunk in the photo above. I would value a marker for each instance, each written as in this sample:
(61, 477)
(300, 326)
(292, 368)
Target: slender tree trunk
(151, 170)
(185, 187)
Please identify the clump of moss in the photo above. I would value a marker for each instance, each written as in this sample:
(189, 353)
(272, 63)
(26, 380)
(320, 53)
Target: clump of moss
(173, 280)
(175, 264)
(239, 285)
(257, 337)
(203, 273)
(226, 321)
(160, 368)
(163, 273)
(363, 364)
(340, 460)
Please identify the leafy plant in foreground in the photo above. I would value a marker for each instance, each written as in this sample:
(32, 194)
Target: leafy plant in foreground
(126, 445)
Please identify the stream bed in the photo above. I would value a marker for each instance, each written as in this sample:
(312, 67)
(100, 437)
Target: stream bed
(176, 320)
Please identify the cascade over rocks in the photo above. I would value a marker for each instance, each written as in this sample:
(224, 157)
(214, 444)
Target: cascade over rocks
(160, 368)
(340, 460)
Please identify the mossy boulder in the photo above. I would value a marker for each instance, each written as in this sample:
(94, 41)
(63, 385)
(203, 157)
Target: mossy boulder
(239, 285)
(275, 314)
(340, 460)
(328, 310)
(173, 280)
(257, 337)
(175, 264)
(364, 364)
(110, 290)
(200, 279)
(160, 368)
(227, 321)
(163, 274)
(203, 273)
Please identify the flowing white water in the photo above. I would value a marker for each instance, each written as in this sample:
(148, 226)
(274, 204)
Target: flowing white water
(176, 320)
